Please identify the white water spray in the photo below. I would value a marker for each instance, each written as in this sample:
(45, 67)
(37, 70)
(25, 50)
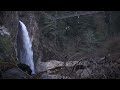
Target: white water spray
(25, 53)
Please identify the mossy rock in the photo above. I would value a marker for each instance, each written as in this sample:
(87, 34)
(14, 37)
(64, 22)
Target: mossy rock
(15, 73)
(7, 56)
(6, 49)
(5, 44)
(12, 71)
(6, 65)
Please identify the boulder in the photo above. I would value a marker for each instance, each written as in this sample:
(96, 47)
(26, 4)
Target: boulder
(25, 68)
(44, 66)
(15, 73)
(56, 69)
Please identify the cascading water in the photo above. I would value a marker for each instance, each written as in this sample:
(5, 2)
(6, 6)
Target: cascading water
(24, 47)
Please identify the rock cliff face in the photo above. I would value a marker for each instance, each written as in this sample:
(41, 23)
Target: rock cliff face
(8, 24)
(58, 35)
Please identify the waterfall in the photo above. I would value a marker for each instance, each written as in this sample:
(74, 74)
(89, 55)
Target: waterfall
(24, 47)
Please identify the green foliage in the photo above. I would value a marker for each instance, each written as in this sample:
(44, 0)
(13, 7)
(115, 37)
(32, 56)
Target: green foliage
(6, 49)
(5, 45)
